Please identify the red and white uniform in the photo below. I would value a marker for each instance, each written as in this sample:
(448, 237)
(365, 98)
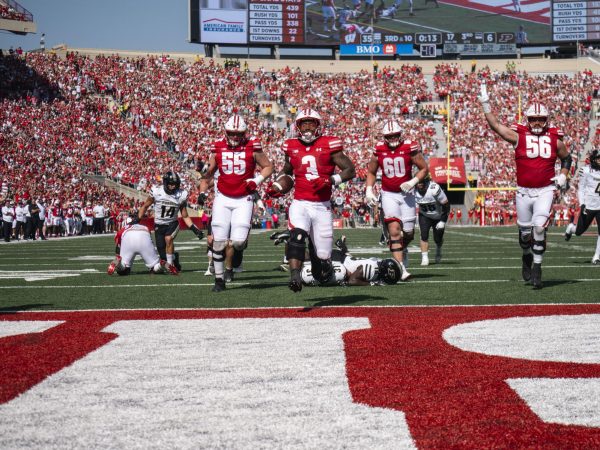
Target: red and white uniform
(311, 162)
(232, 208)
(135, 240)
(311, 208)
(56, 216)
(88, 214)
(535, 157)
(396, 168)
(236, 165)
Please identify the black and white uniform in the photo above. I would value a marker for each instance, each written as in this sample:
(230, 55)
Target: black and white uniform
(370, 267)
(166, 208)
(588, 194)
(339, 272)
(430, 210)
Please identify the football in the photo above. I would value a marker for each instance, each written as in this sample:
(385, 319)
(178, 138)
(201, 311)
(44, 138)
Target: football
(284, 183)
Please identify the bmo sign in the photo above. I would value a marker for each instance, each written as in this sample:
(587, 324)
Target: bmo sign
(377, 49)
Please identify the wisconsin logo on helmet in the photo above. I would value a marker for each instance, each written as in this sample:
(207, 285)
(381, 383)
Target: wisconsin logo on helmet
(308, 125)
(170, 179)
(537, 113)
(392, 133)
(235, 131)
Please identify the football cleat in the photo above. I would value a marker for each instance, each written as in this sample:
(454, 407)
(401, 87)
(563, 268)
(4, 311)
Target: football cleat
(526, 269)
(425, 260)
(569, 231)
(405, 275)
(536, 275)
(596, 260)
(113, 265)
(219, 285)
(341, 242)
(295, 283)
(438, 255)
(208, 273)
(228, 275)
(238, 269)
(284, 267)
(176, 261)
(171, 269)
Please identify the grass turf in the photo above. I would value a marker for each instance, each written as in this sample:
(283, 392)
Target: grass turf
(481, 266)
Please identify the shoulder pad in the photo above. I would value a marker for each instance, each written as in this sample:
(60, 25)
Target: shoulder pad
(256, 145)
(335, 144)
(557, 132)
(519, 128)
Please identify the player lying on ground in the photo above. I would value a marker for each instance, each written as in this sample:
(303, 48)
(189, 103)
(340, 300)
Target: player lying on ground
(347, 269)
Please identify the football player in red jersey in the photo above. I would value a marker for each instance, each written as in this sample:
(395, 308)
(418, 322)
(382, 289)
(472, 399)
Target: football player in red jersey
(396, 157)
(312, 159)
(236, 157)
(537, 146)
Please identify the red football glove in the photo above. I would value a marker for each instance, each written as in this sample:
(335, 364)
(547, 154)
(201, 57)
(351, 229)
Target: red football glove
(272, 192)
(250, 186)
(321, 183)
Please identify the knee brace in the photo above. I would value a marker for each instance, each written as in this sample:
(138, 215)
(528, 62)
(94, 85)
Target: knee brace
(396, 245)
(219, 250)
(525, 237)
(408, 236)
(538, 246)
(296, 248)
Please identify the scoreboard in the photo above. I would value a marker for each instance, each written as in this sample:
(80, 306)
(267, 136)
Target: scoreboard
(575, 20)
(276, 22)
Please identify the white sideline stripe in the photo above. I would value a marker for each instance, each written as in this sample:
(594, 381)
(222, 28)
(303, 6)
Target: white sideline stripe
(581, 280)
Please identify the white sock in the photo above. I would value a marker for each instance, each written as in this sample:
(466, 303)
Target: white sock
(170, 258)
(424, 255)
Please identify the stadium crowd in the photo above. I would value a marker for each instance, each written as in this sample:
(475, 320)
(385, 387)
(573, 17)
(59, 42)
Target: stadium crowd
(132, 119)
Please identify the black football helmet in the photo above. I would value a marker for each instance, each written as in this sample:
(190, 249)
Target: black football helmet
(423, 185)
(595, 159)
(389, 271)
(171, 178)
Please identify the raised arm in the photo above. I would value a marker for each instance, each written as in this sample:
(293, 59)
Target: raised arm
(503, 131)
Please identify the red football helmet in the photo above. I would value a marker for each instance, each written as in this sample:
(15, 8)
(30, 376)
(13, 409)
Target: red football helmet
(310, 134)
(537, 113)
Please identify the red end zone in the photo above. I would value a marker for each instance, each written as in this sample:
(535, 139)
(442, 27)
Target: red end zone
(451, 397)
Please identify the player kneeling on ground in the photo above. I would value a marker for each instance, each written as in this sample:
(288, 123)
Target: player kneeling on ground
(134, 239)
(433, 213)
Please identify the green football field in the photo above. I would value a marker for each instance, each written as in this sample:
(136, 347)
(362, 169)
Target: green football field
(447, 18)
(481, 266)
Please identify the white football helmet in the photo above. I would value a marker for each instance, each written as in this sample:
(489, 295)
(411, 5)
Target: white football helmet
(392, 133)
(235, 131)
(537, 110)
(307, 114)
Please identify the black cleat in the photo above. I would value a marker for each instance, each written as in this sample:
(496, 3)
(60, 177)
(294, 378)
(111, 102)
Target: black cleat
(219, 285)
(176, 261)
(526, 270)
(341, 242)
(228, 275)
(295, 283)
(536, 276)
